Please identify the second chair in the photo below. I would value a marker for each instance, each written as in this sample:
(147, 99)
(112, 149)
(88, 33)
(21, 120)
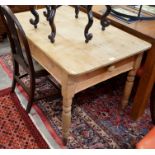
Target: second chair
(21, 55)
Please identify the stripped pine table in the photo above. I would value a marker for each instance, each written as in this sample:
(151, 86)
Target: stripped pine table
(77, 65)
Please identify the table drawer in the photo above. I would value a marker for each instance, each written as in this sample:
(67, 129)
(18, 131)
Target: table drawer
(102, 74)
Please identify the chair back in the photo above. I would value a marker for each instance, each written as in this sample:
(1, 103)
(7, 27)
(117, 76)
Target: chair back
(18, 41)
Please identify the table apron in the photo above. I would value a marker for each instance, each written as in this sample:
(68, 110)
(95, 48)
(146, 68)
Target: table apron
(86, 80)
(46, 63)
(89, 79)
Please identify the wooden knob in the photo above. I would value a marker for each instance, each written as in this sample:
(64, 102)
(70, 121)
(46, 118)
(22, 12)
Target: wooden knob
(111, 68)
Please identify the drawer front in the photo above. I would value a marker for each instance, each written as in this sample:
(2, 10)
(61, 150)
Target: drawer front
(89, 79)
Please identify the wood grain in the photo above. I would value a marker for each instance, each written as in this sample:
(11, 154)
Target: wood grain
(71, 53)
(75, 64)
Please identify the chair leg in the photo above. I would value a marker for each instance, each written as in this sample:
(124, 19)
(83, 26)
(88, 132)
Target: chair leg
(31, 99)
(13, 84)
(15, 73)
(152, 104)
(31, 96)
(29, 105)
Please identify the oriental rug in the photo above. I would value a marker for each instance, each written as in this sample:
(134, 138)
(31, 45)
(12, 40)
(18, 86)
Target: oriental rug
(96, 122)
(16, 128)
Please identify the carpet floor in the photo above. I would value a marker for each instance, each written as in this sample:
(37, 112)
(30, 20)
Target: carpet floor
(16, 128)
(96, 122)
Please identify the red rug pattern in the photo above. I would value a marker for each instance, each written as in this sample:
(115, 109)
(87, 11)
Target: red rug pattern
(96, 122)
(17, 131)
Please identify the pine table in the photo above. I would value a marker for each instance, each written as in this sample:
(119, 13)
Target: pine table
(77, 65)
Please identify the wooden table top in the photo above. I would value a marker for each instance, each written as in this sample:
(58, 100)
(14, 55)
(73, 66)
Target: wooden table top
(70, 52)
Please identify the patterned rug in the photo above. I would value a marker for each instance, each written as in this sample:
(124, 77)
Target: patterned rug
(16, 128)
(96, 122)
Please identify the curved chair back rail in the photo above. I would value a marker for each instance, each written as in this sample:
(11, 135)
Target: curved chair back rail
(21, 55)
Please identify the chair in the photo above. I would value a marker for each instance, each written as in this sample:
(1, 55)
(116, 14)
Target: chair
(21, 55)
(152, 105)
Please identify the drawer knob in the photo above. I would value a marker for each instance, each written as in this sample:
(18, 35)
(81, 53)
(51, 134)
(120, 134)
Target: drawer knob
(111, 68)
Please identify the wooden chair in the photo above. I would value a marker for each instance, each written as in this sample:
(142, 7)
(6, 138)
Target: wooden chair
(21, 55)
(152, 105)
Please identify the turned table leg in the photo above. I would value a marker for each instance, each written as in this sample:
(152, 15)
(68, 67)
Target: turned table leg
(128, 88)
(68, 89)
(130, 82)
